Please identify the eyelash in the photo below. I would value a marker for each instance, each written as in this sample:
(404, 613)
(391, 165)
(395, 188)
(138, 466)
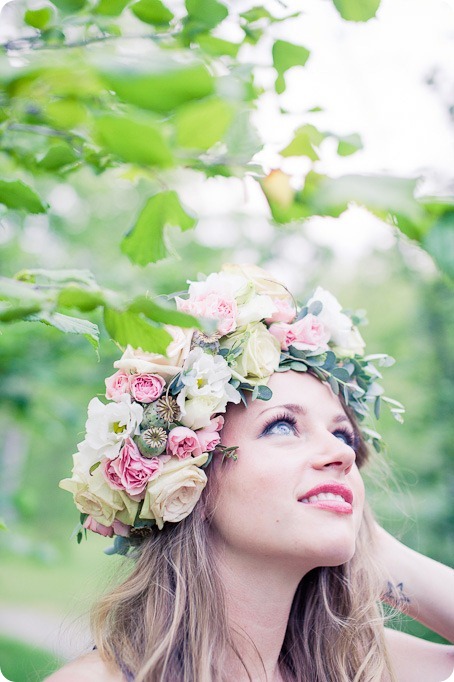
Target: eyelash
(350, 436)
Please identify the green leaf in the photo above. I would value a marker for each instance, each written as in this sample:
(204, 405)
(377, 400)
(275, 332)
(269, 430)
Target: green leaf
(204, 15)
(242, 139)
(2, 525)
(145, 242)
(439, 242)
(157, 313)
(82, 299)
(161, 85)
(199, 125)
(306, 139)
(152, 12)
(286, 55)
(39, 18)
(263, 392)
(15, 194)
(349, 145)
(217, 47)
(377, 406)
(132, 328)
(255, 14)
(111, 8)
(69, 6)
(357, 10)
(57, 157)
(69, 325)
(135, 140)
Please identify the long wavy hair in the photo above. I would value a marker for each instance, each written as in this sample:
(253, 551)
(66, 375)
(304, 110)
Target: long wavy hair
(167, 621)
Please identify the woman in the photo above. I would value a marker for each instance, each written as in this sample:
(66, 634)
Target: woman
(276, 573)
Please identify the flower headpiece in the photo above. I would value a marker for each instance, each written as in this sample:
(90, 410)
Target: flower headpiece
(142, 461)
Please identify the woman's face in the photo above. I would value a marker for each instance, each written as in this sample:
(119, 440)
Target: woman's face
(295, 493)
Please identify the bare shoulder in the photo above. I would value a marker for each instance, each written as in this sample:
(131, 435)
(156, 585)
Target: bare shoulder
(417, 660)
(88, 668)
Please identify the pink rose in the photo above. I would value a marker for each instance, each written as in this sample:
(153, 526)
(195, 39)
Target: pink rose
(117, 528)
(117, 385)
(134, 471)
(209, 437)
(214, 307)
(110, 470)
(306, 334)
(182, 442)
(91, 524)
(285, 311)
(146, 388)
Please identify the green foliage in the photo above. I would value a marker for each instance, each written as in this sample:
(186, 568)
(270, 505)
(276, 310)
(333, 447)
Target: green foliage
(39, 18)
(152, 12)
(15, 194)
(145, 243)
(357, 10)
(127, 327)
(199, 125)
(286, 55)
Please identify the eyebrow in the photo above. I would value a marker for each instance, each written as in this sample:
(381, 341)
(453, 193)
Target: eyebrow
(301, 410)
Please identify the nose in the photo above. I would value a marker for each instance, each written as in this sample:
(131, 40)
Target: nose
(334, 453)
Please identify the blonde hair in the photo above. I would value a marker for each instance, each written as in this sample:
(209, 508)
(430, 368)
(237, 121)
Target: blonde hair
(167, 621)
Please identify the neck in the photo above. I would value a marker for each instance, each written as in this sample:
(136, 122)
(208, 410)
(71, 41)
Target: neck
(259, 593)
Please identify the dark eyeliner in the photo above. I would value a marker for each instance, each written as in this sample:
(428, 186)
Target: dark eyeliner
(351, 437)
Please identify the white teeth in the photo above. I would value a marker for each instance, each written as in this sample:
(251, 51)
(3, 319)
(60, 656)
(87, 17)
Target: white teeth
(323, 496)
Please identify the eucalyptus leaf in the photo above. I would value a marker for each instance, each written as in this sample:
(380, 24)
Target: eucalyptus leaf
(334, 384)
(298, 366)
(315, 308)
(264, 392)
(377, 405)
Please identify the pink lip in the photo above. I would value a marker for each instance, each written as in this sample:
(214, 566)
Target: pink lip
(331, 505)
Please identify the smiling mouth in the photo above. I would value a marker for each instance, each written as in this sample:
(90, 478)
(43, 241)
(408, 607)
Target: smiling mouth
(334, 498)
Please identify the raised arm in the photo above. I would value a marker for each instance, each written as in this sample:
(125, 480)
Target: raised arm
(418, 586)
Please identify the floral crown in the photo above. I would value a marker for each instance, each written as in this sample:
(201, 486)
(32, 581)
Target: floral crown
(142, 461)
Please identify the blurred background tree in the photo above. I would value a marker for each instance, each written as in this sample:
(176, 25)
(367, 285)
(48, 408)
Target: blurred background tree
(123, 125)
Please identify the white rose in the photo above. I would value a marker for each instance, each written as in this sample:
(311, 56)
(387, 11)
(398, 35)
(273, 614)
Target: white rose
(93, 495)
(174, 493)
(263, 282)
(336, 323)
(108, 425)
(257, 308)
(260, 356)
(224, 284)
(352, 343)
(84, 459)
(138, 361)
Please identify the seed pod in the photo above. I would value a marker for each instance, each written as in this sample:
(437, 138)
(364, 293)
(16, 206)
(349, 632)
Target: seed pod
(151, 418)
(152, 441)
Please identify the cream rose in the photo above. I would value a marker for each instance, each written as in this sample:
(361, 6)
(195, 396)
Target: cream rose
(173, 495)
(263, 282)
(93, 496)
(352, 344)
(137, 361)
(260, 356)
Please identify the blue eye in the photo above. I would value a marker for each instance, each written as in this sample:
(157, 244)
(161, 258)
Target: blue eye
(281, 426)
(347, 436)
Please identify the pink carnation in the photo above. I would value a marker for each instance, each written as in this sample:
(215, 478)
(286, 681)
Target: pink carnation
(214, 307)
(209, 437)
(146, 388)
(133, 471)
(182, 442)
(306, 334)
(285, 312)
(117, 385)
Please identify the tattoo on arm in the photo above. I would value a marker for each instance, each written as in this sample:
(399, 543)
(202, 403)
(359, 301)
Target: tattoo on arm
(396, 596)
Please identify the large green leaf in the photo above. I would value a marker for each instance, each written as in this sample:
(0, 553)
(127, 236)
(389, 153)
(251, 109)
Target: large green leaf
(157, 313)
(217, 47)
(111, 8)
(136, 140)
(69, 6)
(39, 17)
(57, 157)
(204, 15)
(145, 242)
(69, 325)
(199, 125)
(152, 12)
(160, 85)
(131, 328)
(439, 242)
(82, 299)
(16, 194)
(357, 10)
(286, 55)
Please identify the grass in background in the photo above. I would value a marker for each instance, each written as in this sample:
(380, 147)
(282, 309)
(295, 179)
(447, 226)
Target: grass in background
(22, 663)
